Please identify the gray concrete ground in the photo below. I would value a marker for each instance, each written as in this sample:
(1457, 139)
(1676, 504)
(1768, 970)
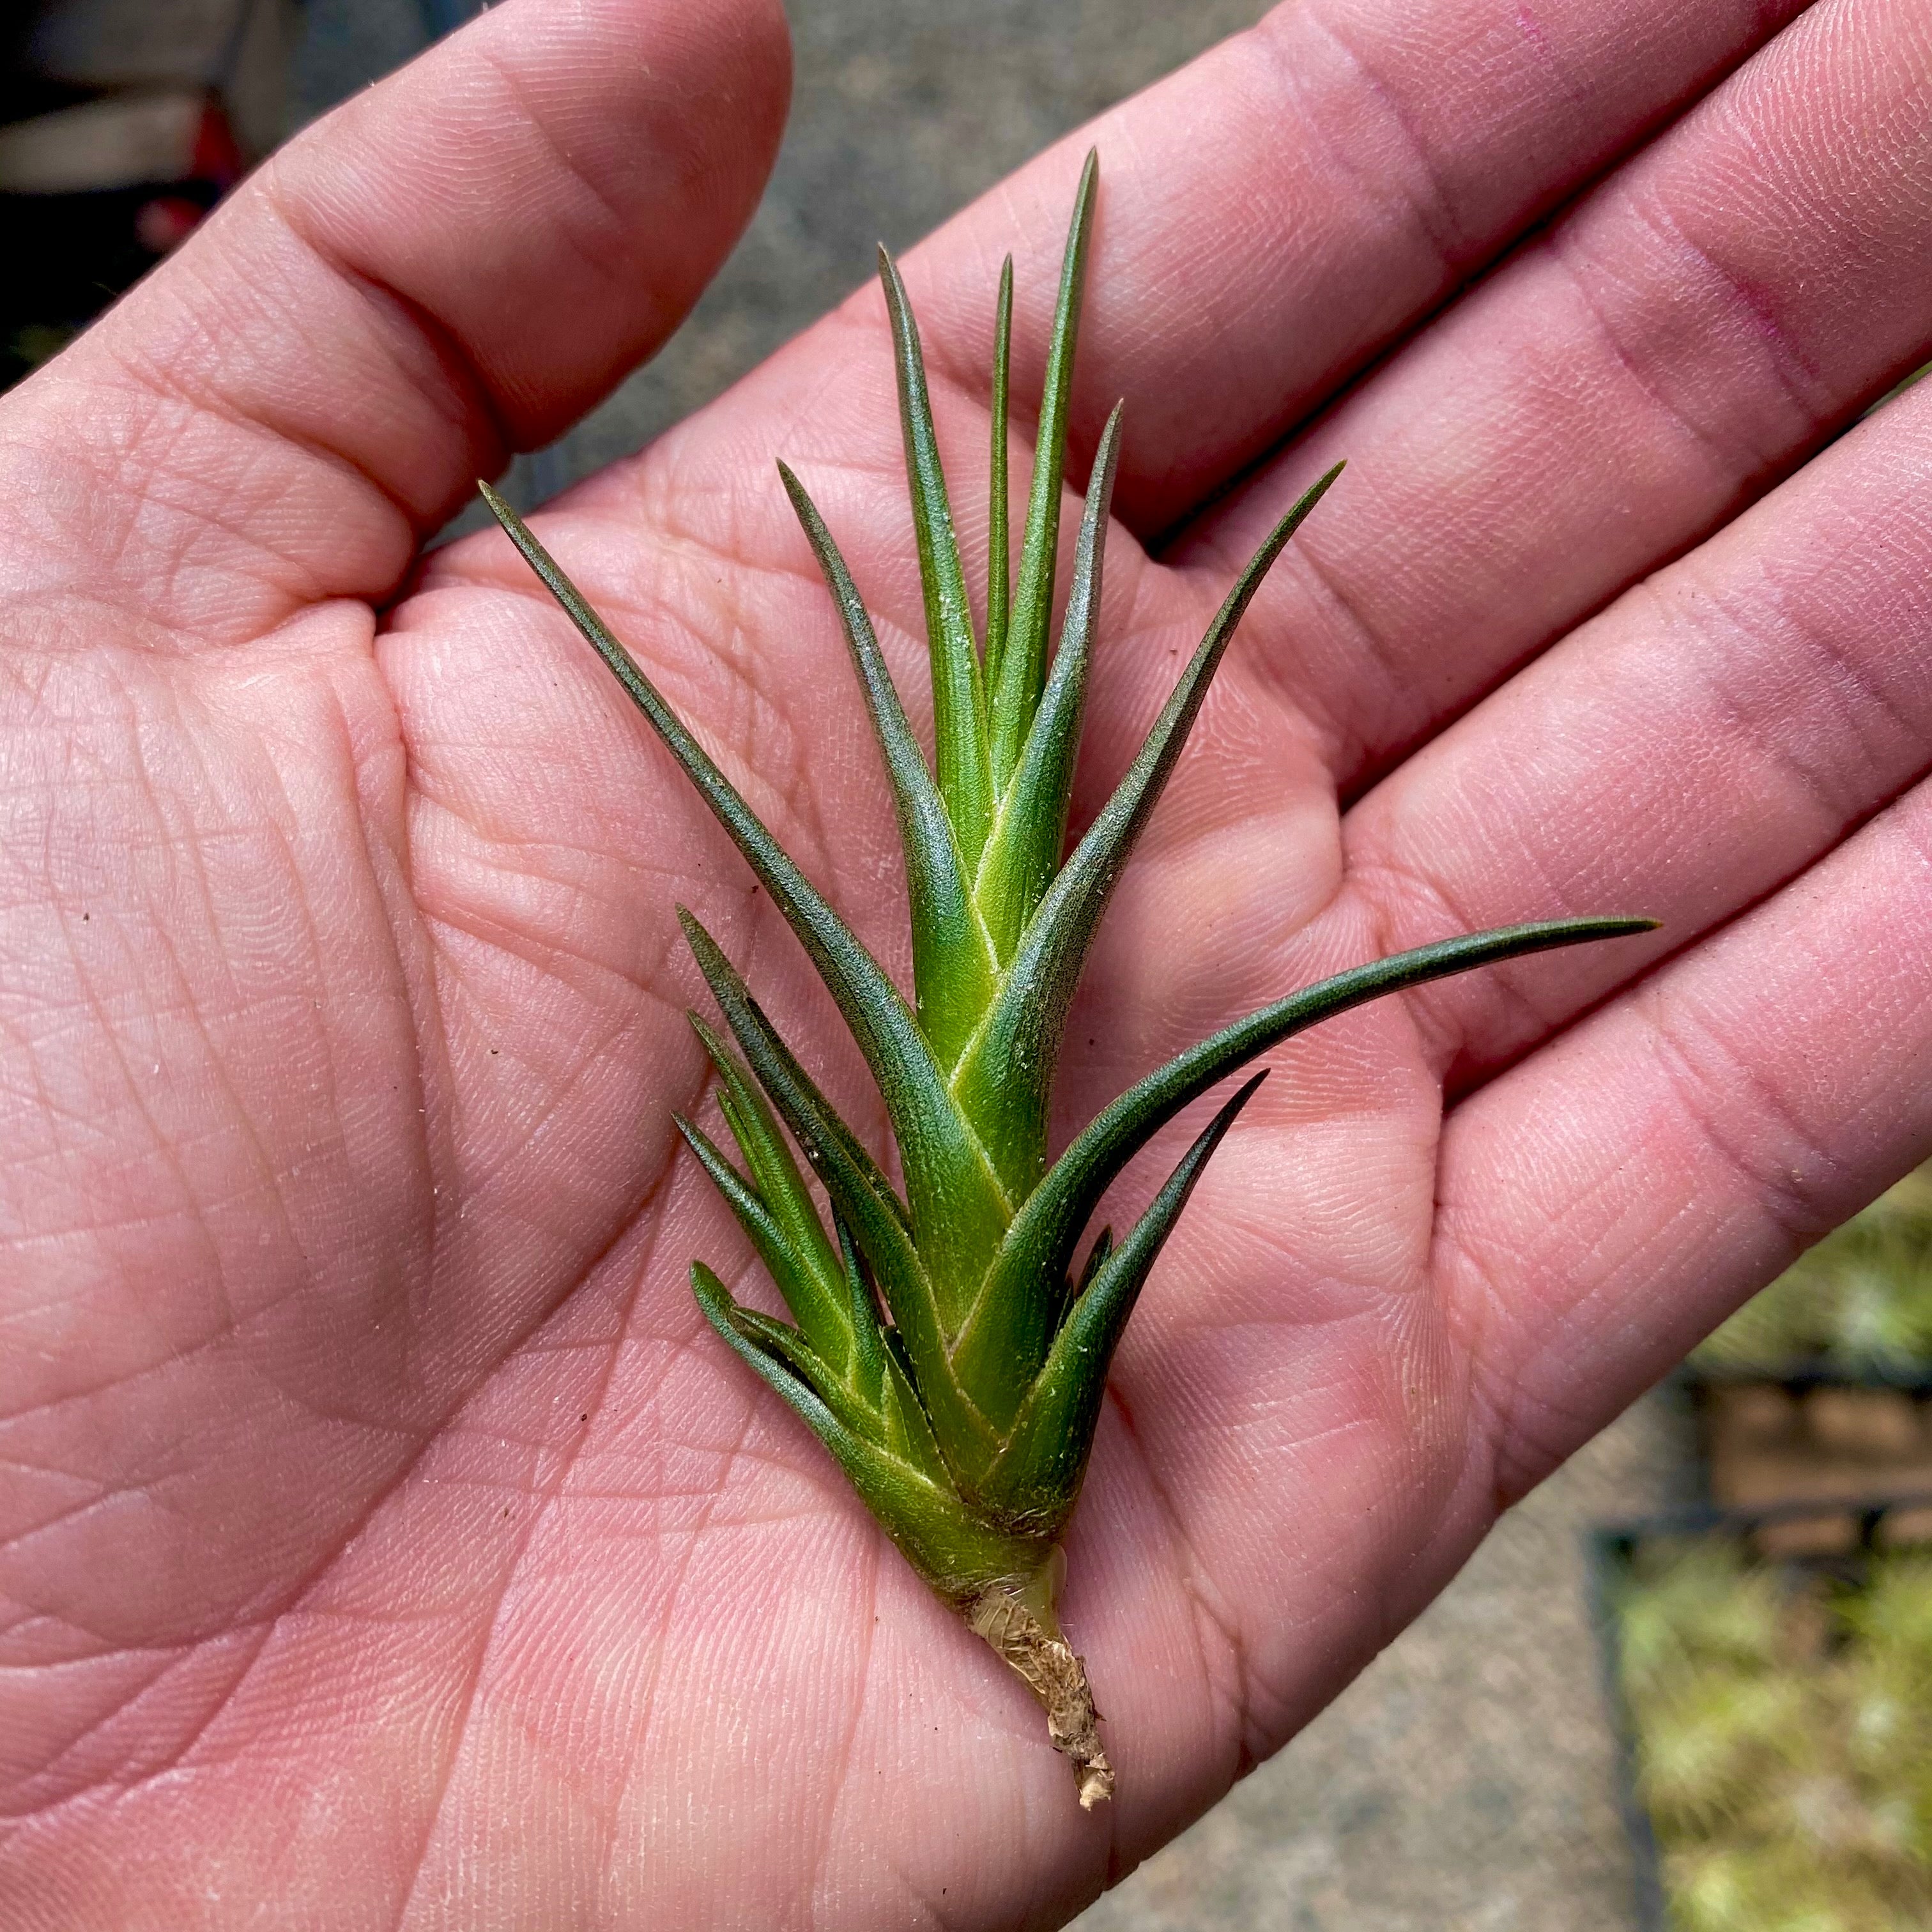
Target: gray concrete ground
(1465, 1783)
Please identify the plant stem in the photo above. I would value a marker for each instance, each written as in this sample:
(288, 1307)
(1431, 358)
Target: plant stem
(1016, 1616)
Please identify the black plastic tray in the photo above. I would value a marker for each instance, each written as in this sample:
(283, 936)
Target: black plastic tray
(1609, 1549)
(1806, 1372)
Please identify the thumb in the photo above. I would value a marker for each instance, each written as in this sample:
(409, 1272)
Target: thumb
(455, 264)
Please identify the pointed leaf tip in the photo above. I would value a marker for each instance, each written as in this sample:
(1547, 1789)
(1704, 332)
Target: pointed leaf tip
(999, 558)
(952, 962)
(958, 692)
(1024, 852)
(1042, 1239)
(884, 1027)
(1023, 660)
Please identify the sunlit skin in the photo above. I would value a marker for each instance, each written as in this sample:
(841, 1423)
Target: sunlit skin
(386, 1541)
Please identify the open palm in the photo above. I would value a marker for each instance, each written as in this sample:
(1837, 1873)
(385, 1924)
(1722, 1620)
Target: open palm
(384, 1538)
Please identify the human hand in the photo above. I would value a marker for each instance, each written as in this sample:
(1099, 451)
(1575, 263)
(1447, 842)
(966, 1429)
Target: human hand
(386, 1538)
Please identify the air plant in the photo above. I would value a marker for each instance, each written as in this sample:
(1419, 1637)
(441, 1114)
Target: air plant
(1697, 1604)
(1782, 1724)
(946, 1344)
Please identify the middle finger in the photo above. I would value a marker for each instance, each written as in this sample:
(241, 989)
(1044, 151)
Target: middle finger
(1623, 386)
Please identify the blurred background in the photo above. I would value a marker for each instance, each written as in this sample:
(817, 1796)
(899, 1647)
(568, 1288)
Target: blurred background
(1505, 1764)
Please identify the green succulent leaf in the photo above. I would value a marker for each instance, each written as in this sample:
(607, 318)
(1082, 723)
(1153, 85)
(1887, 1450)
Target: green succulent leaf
(870, 1004)
(953, 965)
(882, 1373)
(870, 1363)
(955, 1200)
(863, 1199)
(950, 1546)
(860, 1192)
(1036, 1480)
(1004, 1079)
(1023, 853)
(820, 1318)
(1103, 1246)
(999, 562)
(834, 1152)
(1044, 1232)
(1023, 659)
(958, 695)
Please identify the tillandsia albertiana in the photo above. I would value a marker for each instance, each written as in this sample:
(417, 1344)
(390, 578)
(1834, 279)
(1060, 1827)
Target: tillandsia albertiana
(947, 1349)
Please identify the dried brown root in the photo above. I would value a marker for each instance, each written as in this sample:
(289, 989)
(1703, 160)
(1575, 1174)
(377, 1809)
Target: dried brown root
(1016, 1617)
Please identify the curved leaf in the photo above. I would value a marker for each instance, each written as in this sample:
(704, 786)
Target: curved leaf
(1044, 1232)
(1036, 1479)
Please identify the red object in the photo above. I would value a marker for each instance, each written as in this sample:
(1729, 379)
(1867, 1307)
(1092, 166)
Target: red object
(165, 223)
(217, 155)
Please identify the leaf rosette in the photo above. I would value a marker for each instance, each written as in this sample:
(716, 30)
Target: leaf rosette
(943, 1345)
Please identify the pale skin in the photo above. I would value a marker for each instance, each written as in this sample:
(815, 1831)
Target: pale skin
(384, 1541)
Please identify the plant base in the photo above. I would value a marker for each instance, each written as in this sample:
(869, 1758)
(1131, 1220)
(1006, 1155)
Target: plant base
(1016, 1617)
